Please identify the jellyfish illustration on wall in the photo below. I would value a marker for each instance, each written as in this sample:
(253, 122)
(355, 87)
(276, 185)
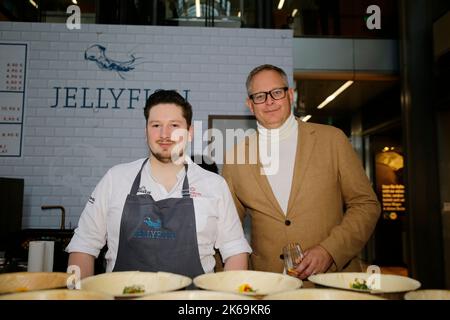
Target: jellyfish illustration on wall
(97, 53)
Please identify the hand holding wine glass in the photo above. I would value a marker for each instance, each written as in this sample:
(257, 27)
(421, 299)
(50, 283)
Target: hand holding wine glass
(293, 255)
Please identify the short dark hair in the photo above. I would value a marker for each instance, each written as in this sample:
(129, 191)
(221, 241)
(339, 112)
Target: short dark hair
(265, 67)
(169, 96)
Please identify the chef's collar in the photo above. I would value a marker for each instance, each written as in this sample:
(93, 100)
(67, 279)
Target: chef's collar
(180, 174)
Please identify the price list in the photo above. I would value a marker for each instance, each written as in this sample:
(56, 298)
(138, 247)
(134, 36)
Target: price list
(393, 200)
(10, 140)
(12, 96)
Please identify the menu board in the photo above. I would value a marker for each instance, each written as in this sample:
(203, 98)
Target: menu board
(390, 188)
(13, 57)
(393, 199)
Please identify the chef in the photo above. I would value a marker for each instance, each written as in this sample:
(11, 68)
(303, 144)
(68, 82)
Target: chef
(164, 212)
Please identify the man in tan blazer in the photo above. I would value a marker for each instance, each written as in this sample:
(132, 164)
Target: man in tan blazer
(319, 196)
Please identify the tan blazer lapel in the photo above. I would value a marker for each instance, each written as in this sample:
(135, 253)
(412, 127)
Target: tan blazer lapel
(305, 144)
(261, 179)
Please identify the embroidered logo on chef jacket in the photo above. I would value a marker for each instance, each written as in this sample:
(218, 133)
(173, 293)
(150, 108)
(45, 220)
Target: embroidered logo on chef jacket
(154, 231)
(143, 190)
(194, 193)
(91, 200)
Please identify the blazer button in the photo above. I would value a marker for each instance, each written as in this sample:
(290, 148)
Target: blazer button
(281, 256)
(287, 222)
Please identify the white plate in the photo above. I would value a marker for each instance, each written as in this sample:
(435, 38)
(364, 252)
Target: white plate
(30, 281)
(378, 283)
(59, 294)
(195, 295)
(428, 295)
(262, 283)
(113, 283)
(321, 294)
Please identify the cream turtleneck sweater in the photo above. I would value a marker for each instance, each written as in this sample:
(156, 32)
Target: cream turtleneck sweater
(281, 180)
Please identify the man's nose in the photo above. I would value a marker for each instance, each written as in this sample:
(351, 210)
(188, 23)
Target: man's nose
(269, 99)
(165, 132)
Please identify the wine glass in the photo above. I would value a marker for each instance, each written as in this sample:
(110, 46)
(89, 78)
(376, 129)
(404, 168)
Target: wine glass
(293, 255)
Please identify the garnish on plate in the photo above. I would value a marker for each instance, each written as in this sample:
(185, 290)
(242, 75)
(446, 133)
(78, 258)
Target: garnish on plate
(359, 284)
(133, 289)
(245, 288)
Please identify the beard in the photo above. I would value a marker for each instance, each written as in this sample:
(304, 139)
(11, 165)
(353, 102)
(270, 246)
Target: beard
(172, 157)
(166, 159)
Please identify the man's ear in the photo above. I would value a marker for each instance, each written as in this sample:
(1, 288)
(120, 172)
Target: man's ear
(191, 133)
(291, 95)
(249, 104)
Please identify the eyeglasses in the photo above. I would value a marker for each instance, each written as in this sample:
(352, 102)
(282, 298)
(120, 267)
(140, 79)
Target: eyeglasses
(276, 94)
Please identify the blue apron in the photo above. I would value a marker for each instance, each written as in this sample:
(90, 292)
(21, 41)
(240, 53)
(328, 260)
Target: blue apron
(158, 235)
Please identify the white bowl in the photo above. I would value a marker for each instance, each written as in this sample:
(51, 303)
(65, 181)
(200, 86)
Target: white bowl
(428, 295)
(30, 281)
(262, 283)
(378, 283)
(113, 283)
(58, 294)
(195, 295)
(321, 294)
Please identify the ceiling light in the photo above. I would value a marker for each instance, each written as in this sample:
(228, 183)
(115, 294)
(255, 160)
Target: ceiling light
(306, 118)
(74, 1)
(294, 12)
(34, 4)
(198, 11)
(335, 94)
(280, 4)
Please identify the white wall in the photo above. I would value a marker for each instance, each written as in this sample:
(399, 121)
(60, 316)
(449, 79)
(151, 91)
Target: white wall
(67, 150)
